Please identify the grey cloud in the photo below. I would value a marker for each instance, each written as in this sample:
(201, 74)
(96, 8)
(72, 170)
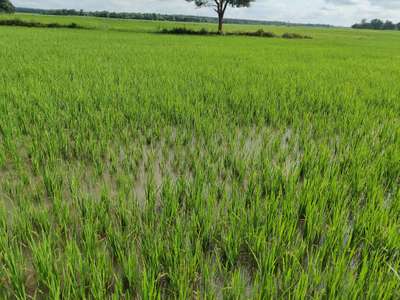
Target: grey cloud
(390, 4)
(341, 2)
(378, 3)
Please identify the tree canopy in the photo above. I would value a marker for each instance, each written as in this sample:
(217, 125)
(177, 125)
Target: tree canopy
(220, 7)
(6, 7)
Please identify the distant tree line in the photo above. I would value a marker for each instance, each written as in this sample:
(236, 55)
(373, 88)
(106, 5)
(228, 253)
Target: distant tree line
(377, 24)
(154, 16)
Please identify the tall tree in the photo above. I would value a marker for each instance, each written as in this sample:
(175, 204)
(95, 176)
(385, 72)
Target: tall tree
(6, 7)
(220, 7)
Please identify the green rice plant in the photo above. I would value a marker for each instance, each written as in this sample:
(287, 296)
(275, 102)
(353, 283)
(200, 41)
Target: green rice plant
(140, 165)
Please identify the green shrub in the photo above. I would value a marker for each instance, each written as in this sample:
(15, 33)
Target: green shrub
(260, 33)
(204, 31)
(23, 23)
(295, 36)
(183, 30)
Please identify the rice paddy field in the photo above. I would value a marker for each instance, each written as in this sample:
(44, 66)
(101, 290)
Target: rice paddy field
(136, 165)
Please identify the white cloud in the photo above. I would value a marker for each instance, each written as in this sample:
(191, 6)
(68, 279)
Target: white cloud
(336, 12)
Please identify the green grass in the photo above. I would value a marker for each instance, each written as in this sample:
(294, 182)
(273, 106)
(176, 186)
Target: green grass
(137, 165)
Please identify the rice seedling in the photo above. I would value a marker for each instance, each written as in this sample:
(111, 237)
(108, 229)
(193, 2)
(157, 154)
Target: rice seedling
(148, 166)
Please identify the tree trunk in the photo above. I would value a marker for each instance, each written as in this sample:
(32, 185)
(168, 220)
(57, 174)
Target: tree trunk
(221, 8)
(220, 23)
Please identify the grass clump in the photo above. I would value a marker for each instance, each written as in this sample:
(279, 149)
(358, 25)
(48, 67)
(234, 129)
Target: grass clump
(187, 31)
(257, 33)
(288, 35)
(204, 31)
(24, 23)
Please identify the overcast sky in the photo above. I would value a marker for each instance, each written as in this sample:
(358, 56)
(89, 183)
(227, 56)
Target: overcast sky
(335, 12)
